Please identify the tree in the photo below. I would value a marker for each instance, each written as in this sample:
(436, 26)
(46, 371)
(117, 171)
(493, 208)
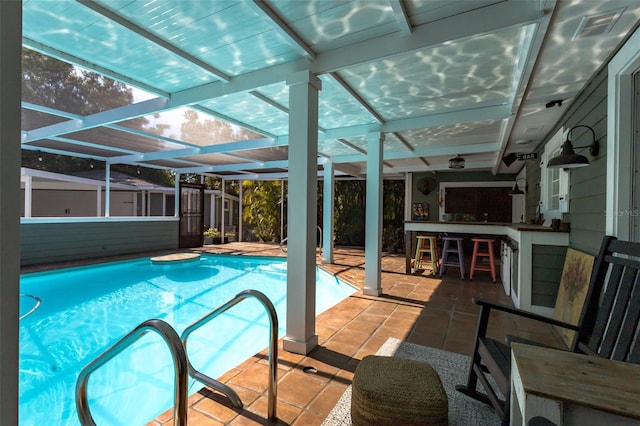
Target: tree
(262, 208)
(52, 83)
(49, 82)
(349, 214)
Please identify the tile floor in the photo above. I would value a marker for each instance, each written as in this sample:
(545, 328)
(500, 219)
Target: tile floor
(416, 308)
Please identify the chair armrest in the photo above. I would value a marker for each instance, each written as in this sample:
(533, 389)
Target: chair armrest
(522, 313)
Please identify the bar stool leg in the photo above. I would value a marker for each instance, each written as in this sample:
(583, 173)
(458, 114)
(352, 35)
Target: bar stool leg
(434, 255)
(418, 260)
(445, 257)
(474, 257)
(492, 262)
(461, 259)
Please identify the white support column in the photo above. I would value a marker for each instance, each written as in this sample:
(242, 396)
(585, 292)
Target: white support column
(98, 201)
(327, 213)
(164, 204)
(281, 209)
(28, 195)
(176, 201)
(107, 190)
(373, 220)
(212, 210)
(222, 216)
(214, 218)
(408, 195)
(301, 335)
(10, 84)
(240, 211)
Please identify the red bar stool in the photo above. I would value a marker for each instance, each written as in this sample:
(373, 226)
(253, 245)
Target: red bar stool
(426, 246)
(447, 249)
(478, 255)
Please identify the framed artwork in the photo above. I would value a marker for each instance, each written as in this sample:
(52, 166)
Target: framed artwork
(574, 283)
(420, 211)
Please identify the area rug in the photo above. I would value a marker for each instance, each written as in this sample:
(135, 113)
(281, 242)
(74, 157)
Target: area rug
(452, 369)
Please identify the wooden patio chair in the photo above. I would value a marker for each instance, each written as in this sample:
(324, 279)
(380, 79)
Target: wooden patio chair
(608, 325)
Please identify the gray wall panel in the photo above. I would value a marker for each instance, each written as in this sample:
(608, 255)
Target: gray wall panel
(548, 263)
(43, 243)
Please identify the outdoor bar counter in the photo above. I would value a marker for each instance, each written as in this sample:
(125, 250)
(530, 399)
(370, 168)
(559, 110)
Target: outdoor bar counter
(524, 236)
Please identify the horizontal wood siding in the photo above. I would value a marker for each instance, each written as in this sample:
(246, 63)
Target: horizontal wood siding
(589, 184)
(548, 262)
(43, 243)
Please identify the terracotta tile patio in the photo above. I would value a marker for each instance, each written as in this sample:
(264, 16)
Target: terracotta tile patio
(415, 308)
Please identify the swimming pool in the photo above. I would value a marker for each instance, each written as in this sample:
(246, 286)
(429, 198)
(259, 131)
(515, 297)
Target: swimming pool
(85, 310)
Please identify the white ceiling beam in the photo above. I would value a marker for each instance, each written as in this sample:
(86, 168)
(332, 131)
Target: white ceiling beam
(273, 176)
(232, 120)
(125, 129)
(242, 83)
(279, 26)
(404, 141)
(278, 164)
(61, 152)
(116, 151)
(423, 152)
(533, 39)
(475, 165)
(210, 149)
(50, 111)
(269, 101)
(402, 17)
(476, 22)
(349, 169)
(80, 142)
(352, 146)
(357, 97)
(471, 115)
(114, 115)
(113, 16)
(497, 112)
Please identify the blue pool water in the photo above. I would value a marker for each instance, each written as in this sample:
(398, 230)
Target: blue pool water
(85, 310)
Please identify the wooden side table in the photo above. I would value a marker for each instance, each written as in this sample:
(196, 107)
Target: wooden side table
(572, 389)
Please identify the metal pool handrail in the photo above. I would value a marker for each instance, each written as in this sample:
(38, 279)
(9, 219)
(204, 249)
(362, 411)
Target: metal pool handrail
(180, 363)
(286, 238)
(273, 350)
(32, 310)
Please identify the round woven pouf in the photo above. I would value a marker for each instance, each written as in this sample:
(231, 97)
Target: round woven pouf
(389, 391)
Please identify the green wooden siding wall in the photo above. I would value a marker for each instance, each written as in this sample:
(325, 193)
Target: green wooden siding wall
(588, 185)
(588, 188)
(548, 262)
(43, 243)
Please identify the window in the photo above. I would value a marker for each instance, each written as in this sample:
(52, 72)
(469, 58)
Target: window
(554, 183)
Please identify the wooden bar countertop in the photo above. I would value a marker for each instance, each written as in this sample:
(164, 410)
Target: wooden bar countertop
(515, 226)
